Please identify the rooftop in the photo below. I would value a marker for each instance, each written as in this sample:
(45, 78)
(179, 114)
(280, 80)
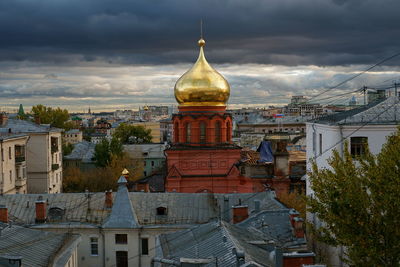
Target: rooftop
(215, 240)
(22, 126)
(82, 151)
(382, 111)
(37, 248)
(182, 208)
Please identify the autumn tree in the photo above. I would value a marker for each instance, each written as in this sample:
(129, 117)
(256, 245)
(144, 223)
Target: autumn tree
(56, 117)
(131, 134)
(359, 204)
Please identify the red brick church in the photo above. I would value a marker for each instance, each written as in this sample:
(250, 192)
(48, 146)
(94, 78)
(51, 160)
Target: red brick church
(202, 157)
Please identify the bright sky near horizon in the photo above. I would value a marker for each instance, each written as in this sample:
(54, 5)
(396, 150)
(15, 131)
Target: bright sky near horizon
(123, 54)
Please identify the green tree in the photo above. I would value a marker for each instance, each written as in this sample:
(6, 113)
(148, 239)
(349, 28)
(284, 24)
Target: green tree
(55, 117)
(359, 203)
(67, 148)
(105, 150)
(131, 134)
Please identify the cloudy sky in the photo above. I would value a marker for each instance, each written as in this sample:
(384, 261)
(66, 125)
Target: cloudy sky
(127, 53)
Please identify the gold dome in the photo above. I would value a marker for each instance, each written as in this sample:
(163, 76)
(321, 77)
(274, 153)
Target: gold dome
(202, 85)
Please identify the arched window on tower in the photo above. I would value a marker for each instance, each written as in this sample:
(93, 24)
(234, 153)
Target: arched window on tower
(176, 132)
(202, 132)
(188, 132)
(228, 131)
(218, 132)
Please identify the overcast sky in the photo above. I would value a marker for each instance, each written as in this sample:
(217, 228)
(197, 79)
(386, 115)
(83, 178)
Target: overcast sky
(125, 53)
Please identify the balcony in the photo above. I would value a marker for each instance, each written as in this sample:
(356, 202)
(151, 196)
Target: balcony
(19, 159)
(20, 182)
(55, 167)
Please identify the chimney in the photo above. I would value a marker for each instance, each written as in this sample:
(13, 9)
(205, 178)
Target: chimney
(3, 214)
(37, 119)
(108, 202)
(298, 227)
(3, 118)
(240, 213)
(293, 214)
(41, 208)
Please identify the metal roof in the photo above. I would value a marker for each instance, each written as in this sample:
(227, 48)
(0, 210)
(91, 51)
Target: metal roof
(122, 214)
(216, 240)
(275, 224)
(37, 248)
(382, 111)
(89, 208)
(22, 126)
(82, 151)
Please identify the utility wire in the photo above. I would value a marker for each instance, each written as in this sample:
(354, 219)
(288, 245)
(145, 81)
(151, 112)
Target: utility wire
(355, 76)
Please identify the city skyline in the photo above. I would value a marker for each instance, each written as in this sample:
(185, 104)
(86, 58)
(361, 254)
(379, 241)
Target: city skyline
(123, 55)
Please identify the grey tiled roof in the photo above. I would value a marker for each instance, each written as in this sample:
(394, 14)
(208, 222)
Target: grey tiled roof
(82, 151)
(11, 136)
(215, 239)
(382, 111)
(37, 248)
(22, 126)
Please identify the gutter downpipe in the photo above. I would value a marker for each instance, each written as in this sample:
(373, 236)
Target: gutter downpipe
(104, 246)
(140, 246)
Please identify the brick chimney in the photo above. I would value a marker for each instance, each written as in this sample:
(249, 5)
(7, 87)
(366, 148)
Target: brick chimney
(298, 227)
(108, 202)
(3, 119)
(240, 213)
(41, 210)
(3, 214)
(293, 214)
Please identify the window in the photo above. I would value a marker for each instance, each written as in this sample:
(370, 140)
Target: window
(176, 132)
(228, 131)
(2, 154)
(188, 132)
(54, 144)
(9, 152)
(152, 163)
(320, 144)
(122, 258)
(358, 146)
(121, 239)
(161, 211)
(218, 132)
(202, 132)
(94, 246)
(145, 246)
(10, 176)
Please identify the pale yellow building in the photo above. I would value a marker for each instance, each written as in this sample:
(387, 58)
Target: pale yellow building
(13, 164)
(155, 128)
(73, 136)
(43, 154)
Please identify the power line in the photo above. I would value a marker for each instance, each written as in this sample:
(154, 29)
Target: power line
(355, 76)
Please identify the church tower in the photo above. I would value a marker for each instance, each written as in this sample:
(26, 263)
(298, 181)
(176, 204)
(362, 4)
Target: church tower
(202, 157)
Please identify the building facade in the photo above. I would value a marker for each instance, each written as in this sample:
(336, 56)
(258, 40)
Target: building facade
(13, 175)
(43, 155)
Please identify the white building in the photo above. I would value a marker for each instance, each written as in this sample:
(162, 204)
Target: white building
(361, 127)
(13, 164)
(43, 154)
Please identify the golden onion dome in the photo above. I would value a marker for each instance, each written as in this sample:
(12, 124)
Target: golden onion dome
(202, 85)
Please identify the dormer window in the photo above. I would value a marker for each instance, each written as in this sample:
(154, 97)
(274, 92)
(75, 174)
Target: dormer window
(161, 211)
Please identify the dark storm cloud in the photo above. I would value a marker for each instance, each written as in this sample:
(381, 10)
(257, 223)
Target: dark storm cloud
(288, 32)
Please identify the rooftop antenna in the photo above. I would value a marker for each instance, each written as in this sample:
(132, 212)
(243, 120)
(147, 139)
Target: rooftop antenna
(201, 28)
